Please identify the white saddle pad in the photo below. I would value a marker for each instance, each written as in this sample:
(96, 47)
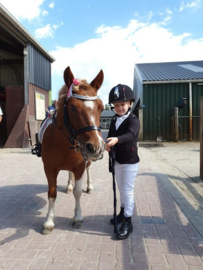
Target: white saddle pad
(43, 127)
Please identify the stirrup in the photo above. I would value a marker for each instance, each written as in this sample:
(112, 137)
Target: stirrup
(36, 149)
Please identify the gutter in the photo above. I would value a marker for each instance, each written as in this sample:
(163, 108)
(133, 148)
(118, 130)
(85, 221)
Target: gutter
(173, 81)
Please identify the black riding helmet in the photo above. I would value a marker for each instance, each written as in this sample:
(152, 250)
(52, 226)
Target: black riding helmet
(120, 93)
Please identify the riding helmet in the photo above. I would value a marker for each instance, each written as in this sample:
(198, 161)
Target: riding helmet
(120, 93)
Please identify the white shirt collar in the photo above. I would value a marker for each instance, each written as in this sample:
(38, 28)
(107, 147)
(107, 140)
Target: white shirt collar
(120, 119)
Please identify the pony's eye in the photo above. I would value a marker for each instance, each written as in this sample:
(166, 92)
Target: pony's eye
(82, 87)
(73, 108)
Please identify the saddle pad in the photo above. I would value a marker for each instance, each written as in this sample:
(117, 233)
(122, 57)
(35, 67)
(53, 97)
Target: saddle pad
(43, 127)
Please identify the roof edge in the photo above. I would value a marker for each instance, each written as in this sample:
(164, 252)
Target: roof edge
(19, 26)
(172, 81)
(165, 62)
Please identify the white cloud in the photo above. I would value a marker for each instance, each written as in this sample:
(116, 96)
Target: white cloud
(47, 31)
(150, 15)
(55, 26)
(167, 16)
(166, 20)
(168, 11)
(44, 32)
(146, 17)
(194, 4)
(51, 5)
(22, 10)
(45, 13)
(117, 49)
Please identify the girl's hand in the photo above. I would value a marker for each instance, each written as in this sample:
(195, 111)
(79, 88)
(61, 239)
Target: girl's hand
(111, 142)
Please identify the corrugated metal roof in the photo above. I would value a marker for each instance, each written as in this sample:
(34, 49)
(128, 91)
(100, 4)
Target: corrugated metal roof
(187, 70)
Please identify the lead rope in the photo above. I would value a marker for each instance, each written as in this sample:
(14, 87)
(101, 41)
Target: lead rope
(114, 190)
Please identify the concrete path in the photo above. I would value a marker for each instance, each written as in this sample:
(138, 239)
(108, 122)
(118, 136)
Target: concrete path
(167, 219)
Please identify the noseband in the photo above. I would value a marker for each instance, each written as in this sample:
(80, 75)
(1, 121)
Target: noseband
(67, 123)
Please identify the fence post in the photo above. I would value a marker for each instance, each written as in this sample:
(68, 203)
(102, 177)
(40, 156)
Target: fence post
(176, 125)
(201, 138)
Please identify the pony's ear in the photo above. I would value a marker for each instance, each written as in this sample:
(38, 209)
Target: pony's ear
(97, 82)
(68, 76)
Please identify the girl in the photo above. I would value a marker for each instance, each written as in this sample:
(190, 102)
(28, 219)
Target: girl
(123, 135)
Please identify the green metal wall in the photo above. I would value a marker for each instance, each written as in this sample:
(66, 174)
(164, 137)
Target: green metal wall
(159, 101)
(197, 93)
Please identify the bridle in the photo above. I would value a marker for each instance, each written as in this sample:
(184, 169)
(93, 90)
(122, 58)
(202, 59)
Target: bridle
(69, 127)
(67, 122)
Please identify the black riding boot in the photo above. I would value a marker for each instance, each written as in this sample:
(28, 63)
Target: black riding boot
(126, 229)
(119, 217)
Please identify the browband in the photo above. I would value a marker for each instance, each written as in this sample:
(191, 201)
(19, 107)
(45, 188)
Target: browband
(84, 97)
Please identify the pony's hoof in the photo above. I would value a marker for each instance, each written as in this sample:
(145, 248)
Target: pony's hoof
(77, 225)
(46, 231)
(68, 191)
(89, 191)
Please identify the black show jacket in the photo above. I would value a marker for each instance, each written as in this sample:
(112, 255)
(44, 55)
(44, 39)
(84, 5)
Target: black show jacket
(127, 134)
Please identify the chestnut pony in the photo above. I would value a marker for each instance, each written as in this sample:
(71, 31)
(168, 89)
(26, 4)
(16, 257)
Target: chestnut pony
(73, 139)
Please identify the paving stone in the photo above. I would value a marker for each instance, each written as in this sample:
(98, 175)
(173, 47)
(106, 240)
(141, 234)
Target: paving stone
(152, 220)
(133, 266)
(21, 265)
(6, 263)
(162, 249)
(176, 262)
(195, 268)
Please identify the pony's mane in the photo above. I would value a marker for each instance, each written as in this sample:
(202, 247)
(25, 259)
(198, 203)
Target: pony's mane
(75, 88)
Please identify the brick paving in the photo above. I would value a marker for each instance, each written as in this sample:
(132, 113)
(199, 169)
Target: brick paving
(167, 218)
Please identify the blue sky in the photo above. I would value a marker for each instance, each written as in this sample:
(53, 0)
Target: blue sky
(111, 35)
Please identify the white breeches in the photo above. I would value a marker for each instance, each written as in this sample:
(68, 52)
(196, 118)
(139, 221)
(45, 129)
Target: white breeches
(125, 178)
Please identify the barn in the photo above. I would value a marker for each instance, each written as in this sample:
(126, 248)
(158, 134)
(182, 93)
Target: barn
(164, 88)
(25, 83)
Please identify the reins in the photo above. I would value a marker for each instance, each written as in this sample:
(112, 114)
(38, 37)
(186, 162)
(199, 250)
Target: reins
(113, 158)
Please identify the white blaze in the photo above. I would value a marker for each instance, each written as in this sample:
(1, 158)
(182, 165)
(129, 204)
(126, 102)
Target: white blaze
(90, 104)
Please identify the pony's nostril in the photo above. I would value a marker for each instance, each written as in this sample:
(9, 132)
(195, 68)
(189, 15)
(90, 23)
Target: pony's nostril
(90, 148)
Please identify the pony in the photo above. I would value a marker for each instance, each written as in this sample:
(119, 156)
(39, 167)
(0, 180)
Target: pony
(73, 139)
(71, 181)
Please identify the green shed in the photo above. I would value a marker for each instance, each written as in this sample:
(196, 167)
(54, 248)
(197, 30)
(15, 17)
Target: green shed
(162, 88)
